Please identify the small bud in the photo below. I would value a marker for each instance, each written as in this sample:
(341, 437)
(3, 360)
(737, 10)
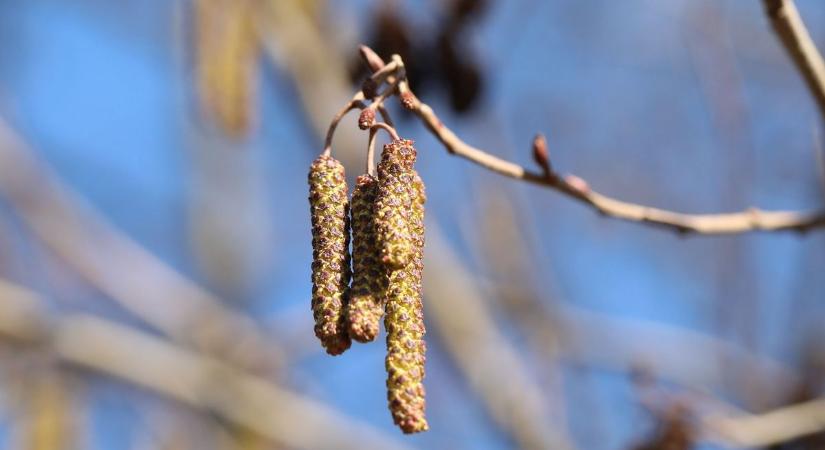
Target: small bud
(373, 61)
(577, 183)
(329, 209)
(540, 154)
(366, 119)
(408, 100)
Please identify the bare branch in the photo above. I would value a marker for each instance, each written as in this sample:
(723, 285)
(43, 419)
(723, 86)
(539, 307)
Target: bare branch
(794, 36)
(574, 187)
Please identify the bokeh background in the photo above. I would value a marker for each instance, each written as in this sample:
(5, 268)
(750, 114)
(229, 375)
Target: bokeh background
(153, 160)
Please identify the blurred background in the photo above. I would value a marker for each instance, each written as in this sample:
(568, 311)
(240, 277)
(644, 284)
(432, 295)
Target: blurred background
(155, 238)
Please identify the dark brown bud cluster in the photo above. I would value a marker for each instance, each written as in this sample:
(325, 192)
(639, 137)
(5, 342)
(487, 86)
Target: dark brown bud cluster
(329, 209)
(387, 252)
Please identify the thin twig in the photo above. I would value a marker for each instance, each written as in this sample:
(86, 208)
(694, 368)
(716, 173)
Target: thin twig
(355, 103)
(371, 144)
(794, 36)
(574, 187)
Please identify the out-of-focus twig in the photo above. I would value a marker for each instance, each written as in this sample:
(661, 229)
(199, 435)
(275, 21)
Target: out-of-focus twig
(618, 344)
(119, 267)
(226, 51)
(183, 375)
(48, 416)
(489, 362)
(794, 36)
(774, 427)
(291, 38)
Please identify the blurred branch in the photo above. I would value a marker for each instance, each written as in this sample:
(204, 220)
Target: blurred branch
(794, 36)
(762, 430)
(199, 381)
(50, 415)
(289, 36)
(119, 267)
(493, 367)
(619, 344)
(578, 189)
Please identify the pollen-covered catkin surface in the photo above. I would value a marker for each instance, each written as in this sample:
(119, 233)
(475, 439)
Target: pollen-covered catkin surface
(404, 322)
(369, 279)
(394, 203)
(329, 210)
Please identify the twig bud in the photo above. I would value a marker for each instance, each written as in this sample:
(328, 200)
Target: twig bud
(541, 155)
(366, 118)
(407, 100)
(577, 183)
(373, 61)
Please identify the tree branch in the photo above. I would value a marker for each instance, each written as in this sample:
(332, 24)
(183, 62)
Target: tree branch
(794, 36)
(576, 188)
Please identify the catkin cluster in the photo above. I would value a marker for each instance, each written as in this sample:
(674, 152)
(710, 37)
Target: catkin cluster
(387, 252)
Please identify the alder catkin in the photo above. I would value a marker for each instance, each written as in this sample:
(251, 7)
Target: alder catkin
(329, 210)
(393, 204)
(404, 323)
(369, 279)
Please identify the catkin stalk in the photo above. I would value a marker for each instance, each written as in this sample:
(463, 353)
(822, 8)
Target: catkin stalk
(329, 210)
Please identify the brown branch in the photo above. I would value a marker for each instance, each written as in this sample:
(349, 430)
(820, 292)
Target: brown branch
(574, 187)
(794, 36)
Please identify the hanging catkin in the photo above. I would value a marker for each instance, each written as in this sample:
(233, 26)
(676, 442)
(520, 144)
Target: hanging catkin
(329, 210)
(369, 280)
(394, 203)
(404, 319)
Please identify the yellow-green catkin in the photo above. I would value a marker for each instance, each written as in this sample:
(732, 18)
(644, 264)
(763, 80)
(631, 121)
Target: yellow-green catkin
(329, 208)
(393, 204)
(404, 323)
(369, 279)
